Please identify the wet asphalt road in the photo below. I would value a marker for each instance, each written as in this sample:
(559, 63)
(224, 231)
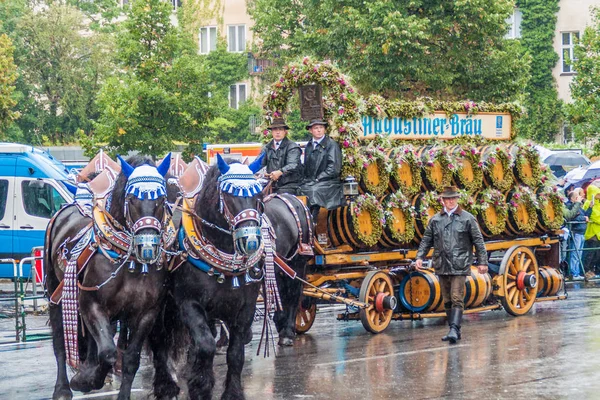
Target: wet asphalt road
(551, 353)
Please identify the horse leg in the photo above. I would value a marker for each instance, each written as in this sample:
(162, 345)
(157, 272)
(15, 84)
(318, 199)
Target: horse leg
(235, 362)
(62, 391)
(201, 379)
(138, 332)
(164, 385)
(101, 329)
(91, 372)
(285, 320)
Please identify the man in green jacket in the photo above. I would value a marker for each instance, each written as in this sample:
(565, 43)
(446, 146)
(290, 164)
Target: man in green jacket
(453, 232)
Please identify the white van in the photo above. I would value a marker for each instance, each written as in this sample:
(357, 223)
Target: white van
(31, 192)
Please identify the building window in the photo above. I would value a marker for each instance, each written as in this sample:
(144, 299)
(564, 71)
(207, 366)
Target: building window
(237, 95)
(514, 25)
(176, 4)
(236, 38)
(568, 42)
(124, 3)
(208, 39)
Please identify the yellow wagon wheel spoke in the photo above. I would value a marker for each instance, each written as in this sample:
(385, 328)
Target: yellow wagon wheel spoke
(376, 287)
(519, 268)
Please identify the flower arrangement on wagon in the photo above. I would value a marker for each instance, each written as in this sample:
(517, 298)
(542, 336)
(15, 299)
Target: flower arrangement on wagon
(368, 202)
(527, 155)
(375, 153)
(491, 197)
(525, 197)
(339, 105)
(399, 201)
(429, 200)
(468, 154)
(447, 164)
(467, 202)
(550, 196)
(406, 155)
(502, 156)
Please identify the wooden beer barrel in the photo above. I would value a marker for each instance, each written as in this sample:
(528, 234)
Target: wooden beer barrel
(406, 171)
(436, 174)
(374, 179)
(355, 229)
(551, 281)
(420, 291)
(468, 174)
(492, 216)
(527, 164)
(522, 214)
(497, 167)
(399, 229)
(478, 288)
(549, 210)
(426, 206)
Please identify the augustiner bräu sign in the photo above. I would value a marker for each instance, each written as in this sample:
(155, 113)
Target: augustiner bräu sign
(440, 125)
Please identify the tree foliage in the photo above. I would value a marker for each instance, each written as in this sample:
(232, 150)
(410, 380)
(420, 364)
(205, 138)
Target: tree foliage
(403, 49)
(584, 112)
(165, 91)
(544, 110)
(8, 76)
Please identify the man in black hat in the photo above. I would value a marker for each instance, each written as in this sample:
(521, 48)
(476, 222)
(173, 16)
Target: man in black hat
(453, 232)
(282, 159)
(322, 167)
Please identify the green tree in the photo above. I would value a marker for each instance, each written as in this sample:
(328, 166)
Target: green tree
(544, 110)
(584, 112)
(165, 92)
(62, 65)
(8, 76)
(403, 49)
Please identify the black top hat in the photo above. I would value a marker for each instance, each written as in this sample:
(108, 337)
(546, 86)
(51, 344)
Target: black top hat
(314, 122)
(278, 123)
(450, 192)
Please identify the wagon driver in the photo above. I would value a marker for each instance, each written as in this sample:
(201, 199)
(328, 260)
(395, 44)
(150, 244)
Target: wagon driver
(322, 168)
(453, 232)
(282, 159)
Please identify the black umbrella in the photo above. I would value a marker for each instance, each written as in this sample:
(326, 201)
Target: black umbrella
(568, 158)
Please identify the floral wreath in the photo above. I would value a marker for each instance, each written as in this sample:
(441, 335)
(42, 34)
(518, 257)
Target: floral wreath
(499, 155)
(527, 154)
(550, 195)
(368, 202)
(406, 154)
(467, 201)
(493, 198)
(473, 156)
(441, 154)
(524, 195)
(375, 153)
(399, 201)
(429, 200)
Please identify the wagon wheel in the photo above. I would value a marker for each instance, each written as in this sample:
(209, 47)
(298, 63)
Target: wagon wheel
(520, 280)
(305, 316)
(377, 291)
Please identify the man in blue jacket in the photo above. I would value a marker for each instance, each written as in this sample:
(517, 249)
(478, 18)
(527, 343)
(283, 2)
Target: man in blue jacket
(577, 219)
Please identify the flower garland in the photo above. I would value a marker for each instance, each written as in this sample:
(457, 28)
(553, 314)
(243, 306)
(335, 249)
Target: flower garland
(467, 202)
(499, 155)
(406, 155)
(375, 153)
(428, 200)
(447, 164)
(493, 198)
(368, 202)
(550, 195)
(522, 195)
(528, 155)
(471, 155)
(400, 201)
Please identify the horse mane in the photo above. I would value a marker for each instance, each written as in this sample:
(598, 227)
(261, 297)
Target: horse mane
(208, 198)
(117, 206)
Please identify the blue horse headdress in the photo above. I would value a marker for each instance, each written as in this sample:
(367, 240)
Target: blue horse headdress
(238, 179)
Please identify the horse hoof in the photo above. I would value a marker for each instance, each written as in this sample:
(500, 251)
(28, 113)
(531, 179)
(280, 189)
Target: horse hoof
(80, 383)
(108, 356)
(285, 341)
(166, 391)
(62, 394)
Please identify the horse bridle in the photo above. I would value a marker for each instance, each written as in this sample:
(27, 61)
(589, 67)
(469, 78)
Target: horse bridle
(252, 234)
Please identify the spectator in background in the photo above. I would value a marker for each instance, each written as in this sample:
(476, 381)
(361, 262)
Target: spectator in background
(578, 218)
(592, 232)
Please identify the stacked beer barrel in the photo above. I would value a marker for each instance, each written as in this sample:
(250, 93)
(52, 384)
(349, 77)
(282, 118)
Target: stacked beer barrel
(501, 184)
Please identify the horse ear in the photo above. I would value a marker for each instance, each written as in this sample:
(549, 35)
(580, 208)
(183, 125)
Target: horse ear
(163, 168)
(223, 166)
(256, 165)
(72, 188)
(125, 167)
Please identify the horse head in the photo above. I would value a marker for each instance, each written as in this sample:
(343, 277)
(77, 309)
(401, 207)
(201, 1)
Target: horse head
(240, 203)
(145, 207)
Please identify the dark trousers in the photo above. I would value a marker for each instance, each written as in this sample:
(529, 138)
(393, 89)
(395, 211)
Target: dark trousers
(591, 258)
(453, 291)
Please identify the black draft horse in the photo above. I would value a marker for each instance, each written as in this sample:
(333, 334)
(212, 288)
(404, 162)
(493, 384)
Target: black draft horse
(129, 286)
